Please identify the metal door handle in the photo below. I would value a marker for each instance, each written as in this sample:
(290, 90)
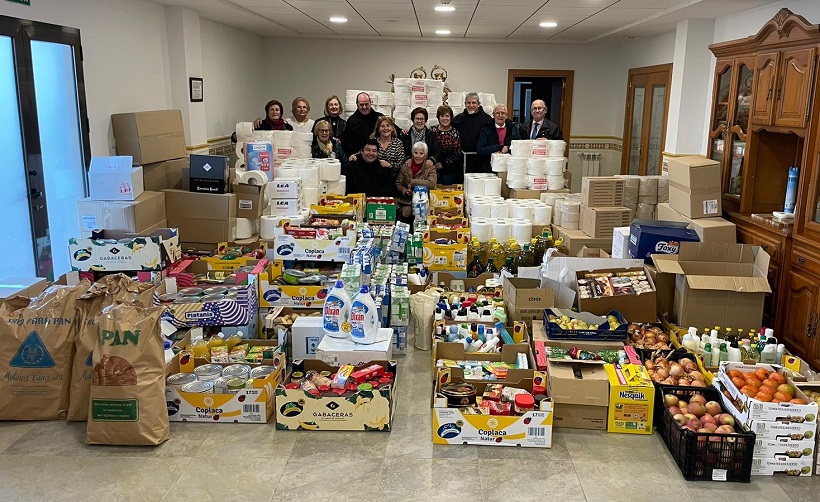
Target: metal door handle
(810, 325)
(769, 94)
(765, 247)
(801, 260)
(33, 173)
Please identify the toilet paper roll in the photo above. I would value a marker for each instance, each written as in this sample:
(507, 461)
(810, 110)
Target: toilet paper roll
(568, 206)
(251, 178)
(482, 229)
(556, 147)
(303, 137)
(240, 149)
(310, 195)
(268, 226)
(522, 230)
(551, 198)
(492, 186)
(338, 187)
(537, 166)
(502, 230)
(538, 182)
(244, 129)
(566, 217)
(499, 210)
(498, 161)
(521, 148)
(475, 186)
(481, 209)
(554, 186)
(521, 211)
(310, 176)
(244, 228)
(517, 165)
(555, 165)
(330, 170)
(287, 172)
(282, 139)
(239, 164)
(322, 187)
(541, 214)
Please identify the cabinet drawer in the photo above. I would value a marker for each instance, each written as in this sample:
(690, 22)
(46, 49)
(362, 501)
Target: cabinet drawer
(771, 246)
(807, 261)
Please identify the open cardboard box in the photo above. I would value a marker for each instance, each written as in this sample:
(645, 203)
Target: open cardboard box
(455, 351)
(640, 307)
(220, 263)
(717, 284)
(559, 274)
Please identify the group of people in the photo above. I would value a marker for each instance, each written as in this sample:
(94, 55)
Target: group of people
(380, 160)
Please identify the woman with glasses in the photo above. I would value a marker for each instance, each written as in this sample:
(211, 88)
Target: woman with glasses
(325, 146)
(333, 114)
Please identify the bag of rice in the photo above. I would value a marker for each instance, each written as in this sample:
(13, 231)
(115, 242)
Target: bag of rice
(36, 347)
(109, 290)
(128, 379)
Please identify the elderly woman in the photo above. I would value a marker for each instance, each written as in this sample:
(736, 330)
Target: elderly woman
(449, 161)
(273, 118)
(324, 146)
(300, 107)
(333, 114)
(391, 149)
(416, 171)
(420, 132)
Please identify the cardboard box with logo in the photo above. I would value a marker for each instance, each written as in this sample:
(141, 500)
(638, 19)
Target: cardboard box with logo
(445, 257)
(159, 176)
(363, 411)
(631, 399)
(648, 237)
(454, 351)
(250, 200)
(288, 247)
(718, 284)
(114, 178)
(124, 251)
(128, 216)
(694, 186)
(202, 217)
(708, 229)
(381, 210)
(526, 300)
(209, 173)
(150, 136)
(273, 294)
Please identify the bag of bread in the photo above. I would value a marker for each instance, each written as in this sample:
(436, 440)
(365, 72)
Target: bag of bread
(127, 405)
(109, 290)
(36, 347)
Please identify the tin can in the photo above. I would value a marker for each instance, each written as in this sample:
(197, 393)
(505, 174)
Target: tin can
(194, 291)
(459, 395)
(168, 297)
(237, 370)
(208, 372)
(212, 298)
(221, 385)
(180, 379)
(186, 299)
(296, 376)
(215, 290)
(236, 384)
(198, 387)
(262, 371)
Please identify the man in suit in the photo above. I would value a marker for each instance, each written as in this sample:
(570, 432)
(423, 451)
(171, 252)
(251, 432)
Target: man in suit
(540, 126)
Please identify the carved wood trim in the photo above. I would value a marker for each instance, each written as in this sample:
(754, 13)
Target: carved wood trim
(784, 30)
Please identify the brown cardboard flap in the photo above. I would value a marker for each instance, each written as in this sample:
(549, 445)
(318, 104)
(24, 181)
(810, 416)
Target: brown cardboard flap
(735, 284)
(716, 251)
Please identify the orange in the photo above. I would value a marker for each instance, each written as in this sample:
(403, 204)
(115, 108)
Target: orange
(771, 383)
(779, 396)
(762, 396)
(761, 374)
(777, 377)
(735, 374)
(786, 389)
(739, 382)
(765, 389)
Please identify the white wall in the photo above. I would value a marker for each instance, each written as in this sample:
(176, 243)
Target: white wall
(318, 68)
(749, 22)
(124, 51)
(234, 70)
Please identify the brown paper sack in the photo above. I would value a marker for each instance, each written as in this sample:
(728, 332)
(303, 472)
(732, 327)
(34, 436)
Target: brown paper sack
(128, 379)
(109, 290)
(36, 346)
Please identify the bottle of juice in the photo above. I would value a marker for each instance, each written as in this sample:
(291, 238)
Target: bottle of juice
(216, 340)
(234, 340)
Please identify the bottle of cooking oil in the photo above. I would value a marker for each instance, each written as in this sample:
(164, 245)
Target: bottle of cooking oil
(492, 257)
(476, 266)
(541, 246)
(514, 251)
(559, 244)
(526, 257)
(510, 266)
(486, 248)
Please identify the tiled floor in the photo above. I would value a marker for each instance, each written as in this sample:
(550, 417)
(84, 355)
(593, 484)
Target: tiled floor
(221, 462)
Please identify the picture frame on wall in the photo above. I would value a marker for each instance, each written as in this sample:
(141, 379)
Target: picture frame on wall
(196, 91)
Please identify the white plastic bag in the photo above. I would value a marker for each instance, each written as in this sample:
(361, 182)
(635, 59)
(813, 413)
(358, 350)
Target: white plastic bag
(422, 310)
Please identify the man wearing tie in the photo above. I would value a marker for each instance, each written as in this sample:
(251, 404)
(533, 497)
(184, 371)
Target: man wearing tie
(539, 126)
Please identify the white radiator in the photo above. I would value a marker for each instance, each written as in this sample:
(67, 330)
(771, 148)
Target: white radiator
(590, 163)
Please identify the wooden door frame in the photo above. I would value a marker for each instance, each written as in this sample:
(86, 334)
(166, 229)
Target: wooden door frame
(644, 70)
(569, 79)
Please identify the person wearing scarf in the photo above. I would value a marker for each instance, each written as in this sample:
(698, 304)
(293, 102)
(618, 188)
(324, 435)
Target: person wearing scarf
(333, 114)
(324, 146)
(416, 171)
(273, 118)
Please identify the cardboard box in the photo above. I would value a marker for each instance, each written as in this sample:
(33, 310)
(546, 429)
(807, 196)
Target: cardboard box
(525, 299)
(753, 409)
(285, 188)
(455, 351)
(664, 291)
(559, 274)
(640, 307)
(576, 416)
(273, 294)
(128, 216)
(599, 222)
(288, 247)
(27, 287)
(254, 405)
(454, 426)
(285, 207)
(694, 186)
(209, 173)
(790, 466)
(250, 200)
(113, 178)
(784, 447)
(576, 382)
(364, 411)
(204, 231)
(631, 399)
(202, 217)
(150, 136)
(525, 193)
(574, 240)
(602, 191)
(586, 252)
(447, 198)
(718, 284)
(307, 333)
(779, 430)
(445, 257)
(159, 176)
(648, 237)
(708, 229)
(381, 211)
(151, 251)
(338, 351)
(620, 242)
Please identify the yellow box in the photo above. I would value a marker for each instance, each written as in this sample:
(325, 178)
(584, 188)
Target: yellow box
(356, 201)
(219, 263)
(444, 257)
(272, 294)
(631, 399)
(447, 198)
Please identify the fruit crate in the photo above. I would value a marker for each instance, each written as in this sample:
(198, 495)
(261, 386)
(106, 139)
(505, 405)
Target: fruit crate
(672, 355)
(702, 456)
(602, 334)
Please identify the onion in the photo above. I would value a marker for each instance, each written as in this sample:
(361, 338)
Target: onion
(684, 361)
(689, 368)
(683, 383)
(697, 376)
(698, 383)
(649, 365)
(663, 337)
(676, 370)
(662, 373)
(669, 381)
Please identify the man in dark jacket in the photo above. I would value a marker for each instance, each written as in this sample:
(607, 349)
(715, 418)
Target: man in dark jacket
(367, 175)
(360, 125)
(496, 137)
(540, 126)
(469, 124)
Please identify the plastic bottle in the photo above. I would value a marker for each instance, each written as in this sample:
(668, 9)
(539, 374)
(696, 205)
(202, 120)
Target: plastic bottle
(526, 258)
(475, 268)
(791, 190)
(336, 312)
(234, 340)
(724, 353)
(769, 353)
(216, 340)
(500, 315)
(781, 352)
(707, 355)
(492, 259)
(734, 351)
(691, 340)
(364, 318)
(169, 352)
(503, 333)
(509, 266)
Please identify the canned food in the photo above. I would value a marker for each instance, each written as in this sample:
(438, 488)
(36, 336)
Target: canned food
(236, 384)
(262, 371)
(187, 299)
(208, 372)
(180, 379)
(237, 370)
(459, 395)
(168, 297)
(198, 387)
(221, 385)
(215, 290)
(296, 376)
(212, 298)
(190, 291)
(292, 276)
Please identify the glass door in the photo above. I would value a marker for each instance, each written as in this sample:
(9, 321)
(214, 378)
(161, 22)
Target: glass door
(645, 121)
(739, 125)
(720, 111)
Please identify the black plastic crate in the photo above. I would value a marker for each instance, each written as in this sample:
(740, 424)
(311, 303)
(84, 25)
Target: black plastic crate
(602, 334)
(673, 355)
(702, 456)
(644, 353)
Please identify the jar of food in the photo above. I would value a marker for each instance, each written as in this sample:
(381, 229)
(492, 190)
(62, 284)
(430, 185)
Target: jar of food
(523, 404)
(459, 395)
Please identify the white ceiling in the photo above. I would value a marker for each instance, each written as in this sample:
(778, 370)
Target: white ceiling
(579, 21)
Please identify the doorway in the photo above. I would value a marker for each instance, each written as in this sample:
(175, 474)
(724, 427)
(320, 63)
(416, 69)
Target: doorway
(647, 109)
(552, 86)
(44, 147)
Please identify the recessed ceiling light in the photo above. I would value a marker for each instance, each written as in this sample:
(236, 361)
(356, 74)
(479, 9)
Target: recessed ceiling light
(442, 32)
(548, 24)
(338, 19)
(444, 8)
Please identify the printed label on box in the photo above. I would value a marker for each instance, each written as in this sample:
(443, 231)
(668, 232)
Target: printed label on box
(89, 222)
(710, 206)
(246, 204)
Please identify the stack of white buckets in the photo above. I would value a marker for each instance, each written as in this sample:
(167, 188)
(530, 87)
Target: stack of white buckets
(535, 164)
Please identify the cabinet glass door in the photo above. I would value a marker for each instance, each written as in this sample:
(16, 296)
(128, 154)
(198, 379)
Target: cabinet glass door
(739, 126)
(720, 114)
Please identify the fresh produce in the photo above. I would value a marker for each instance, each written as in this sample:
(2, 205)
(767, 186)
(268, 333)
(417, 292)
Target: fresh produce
(764, 385)
(703, 416)
(645, 336)
(813, 395)
(567, 323)
(683, 372)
